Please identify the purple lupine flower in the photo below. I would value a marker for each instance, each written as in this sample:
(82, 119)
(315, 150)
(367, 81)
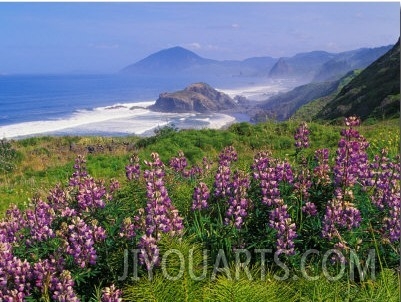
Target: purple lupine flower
(39, 220)
(80, 239)
(57, 199)
(301, 136)
(280, 220)
(43, 271)
(79, 171)
(133, 170)
(91, 195)
(384, 180)
(11, 225)
(303, 182)
(340, 213)
(200, 197)
(228, 155)
(150, 253)
(222, 181)
(309, 208)
(127, 229)
(391, 227)
(160, 212)
(63, 288)
(341, 247)
(206, 164)
(351, 160)
(111, 294)
(159, 215)
(322, 170)
(114, 186)
(178, 164)
(284, 172)
(264, 170)
(15, 276)
(238, 200)
(223, 174)
(352, 121)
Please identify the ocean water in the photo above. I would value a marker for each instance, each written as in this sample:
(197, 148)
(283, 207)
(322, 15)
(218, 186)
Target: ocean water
(105, 104)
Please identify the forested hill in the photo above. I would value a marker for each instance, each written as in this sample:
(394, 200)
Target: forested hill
(375, 92)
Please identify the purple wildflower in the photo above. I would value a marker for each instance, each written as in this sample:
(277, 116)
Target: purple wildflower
(200, 197)
(309, 208)
(178, 164)
(80, 241)
(79, 171)
(63, 288)
(340, 213)
(159, 215)
(238, 200)
(127, 229)
(301, 137)
(280, 220)
(133, 170)
(265, 171)
(91, 194)
(322, 170)
(351, 160)
(303, 182)
(111, 294)
(39, 220)
(150, 253)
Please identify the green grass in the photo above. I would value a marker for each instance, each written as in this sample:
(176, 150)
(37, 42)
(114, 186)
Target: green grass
(43, 162)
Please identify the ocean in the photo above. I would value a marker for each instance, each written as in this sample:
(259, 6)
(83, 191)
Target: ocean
(109, 105)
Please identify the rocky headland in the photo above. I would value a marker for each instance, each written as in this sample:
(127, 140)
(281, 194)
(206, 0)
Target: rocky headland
(197, 97)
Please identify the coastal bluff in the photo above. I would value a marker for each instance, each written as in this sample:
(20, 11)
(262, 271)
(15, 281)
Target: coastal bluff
(197, 97)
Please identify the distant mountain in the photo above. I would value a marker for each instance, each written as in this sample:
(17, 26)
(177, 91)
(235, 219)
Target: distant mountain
(302, 65)
(198, 97)
(349, 60)
(375, 92)
(183, 61)
(321, 66)
(168, 60)
(305, 67)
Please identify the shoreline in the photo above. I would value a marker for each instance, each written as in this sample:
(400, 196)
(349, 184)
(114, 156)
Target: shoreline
(134, 118)
(116, 120)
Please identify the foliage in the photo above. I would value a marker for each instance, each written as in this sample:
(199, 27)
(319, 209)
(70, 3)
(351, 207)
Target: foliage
(373, 93)
(75, 242)
(8, 156)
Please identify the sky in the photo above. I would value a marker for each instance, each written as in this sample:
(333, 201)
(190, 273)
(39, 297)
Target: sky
(105, 37)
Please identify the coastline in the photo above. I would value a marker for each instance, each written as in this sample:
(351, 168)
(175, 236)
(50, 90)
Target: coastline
(134, 118)
(120, 119)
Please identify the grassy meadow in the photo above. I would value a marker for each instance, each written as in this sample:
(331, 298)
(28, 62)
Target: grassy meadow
(32, 167)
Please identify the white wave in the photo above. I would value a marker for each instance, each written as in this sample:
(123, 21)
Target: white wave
(117, 119)
(259, 92)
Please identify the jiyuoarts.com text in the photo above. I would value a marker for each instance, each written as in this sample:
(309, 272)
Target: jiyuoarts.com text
(363, 268)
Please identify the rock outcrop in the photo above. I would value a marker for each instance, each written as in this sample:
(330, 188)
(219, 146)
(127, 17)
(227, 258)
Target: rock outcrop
(198, 97)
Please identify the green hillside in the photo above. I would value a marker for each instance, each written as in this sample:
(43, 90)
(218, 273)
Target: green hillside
(67, 215)
(309, 111)
(373, 94)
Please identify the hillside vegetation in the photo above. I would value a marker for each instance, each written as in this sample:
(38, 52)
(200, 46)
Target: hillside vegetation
(41, 162)
(85, 206)
(82, 205)
(374, 93)
(310, 110)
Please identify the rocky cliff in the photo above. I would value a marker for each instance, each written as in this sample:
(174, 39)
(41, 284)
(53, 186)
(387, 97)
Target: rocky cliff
(198, 97)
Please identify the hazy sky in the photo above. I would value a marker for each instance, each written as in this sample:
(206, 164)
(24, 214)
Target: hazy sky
(105, 37)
